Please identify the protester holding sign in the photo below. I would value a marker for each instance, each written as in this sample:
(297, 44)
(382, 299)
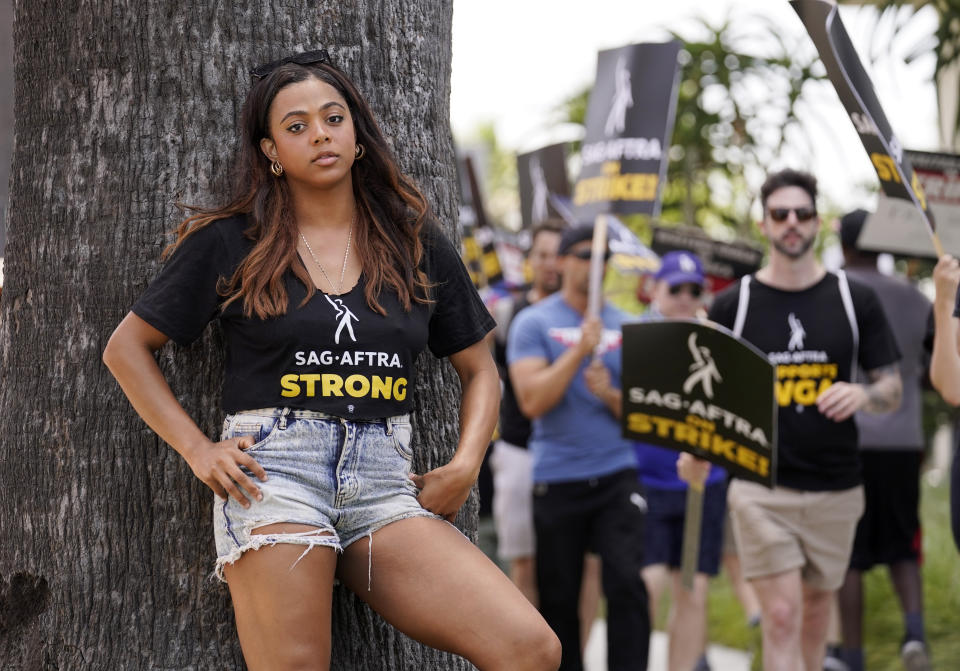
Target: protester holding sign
(511, 463)
(795, 539)
(585, 480)
(678, 294)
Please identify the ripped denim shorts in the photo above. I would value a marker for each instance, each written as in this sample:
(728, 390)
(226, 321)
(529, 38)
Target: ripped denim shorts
(347, 478)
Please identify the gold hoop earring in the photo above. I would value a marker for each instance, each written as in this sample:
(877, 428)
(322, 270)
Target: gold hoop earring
(360, 152)
(276, 168)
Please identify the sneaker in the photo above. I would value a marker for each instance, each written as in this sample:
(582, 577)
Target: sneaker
(914, 656)
(831, 663)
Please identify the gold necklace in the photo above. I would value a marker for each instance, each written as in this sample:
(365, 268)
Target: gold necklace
(343, 270)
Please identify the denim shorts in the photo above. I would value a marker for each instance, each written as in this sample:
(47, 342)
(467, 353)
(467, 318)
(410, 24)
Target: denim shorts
(346, 478)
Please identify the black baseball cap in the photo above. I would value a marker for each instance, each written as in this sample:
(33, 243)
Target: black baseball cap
(573, 235)
(851, 224)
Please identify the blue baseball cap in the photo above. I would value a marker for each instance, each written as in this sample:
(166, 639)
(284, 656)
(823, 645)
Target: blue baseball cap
(680, 268)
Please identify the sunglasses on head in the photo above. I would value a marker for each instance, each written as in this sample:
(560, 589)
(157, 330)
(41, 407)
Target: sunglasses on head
(586, 253)
(780, 214)
(694, 289)
(306, 58)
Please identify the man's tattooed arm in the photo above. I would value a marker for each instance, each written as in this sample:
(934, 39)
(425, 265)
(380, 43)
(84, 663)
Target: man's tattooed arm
(884, 390)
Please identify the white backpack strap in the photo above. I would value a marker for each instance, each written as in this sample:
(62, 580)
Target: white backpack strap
(852, 318)
(742, 306)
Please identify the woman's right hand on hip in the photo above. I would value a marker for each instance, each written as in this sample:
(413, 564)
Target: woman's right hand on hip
(218, 466)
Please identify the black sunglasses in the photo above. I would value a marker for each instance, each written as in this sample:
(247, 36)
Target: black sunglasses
(306, 58)
(780, 214)
(585, 254)
(694, 289)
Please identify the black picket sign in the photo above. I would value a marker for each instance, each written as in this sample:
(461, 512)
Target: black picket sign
(696, 388)
(853, 86)
(723, 261)
(540, 175)
(479, 251)
(896, 226)
(629, 121)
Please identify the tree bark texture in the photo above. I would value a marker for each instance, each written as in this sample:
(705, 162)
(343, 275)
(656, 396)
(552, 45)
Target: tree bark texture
(6, 114)
(122, 109)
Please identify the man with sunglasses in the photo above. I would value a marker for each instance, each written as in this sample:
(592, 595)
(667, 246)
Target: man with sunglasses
(678, 294)
(565, 368)
(818, 328)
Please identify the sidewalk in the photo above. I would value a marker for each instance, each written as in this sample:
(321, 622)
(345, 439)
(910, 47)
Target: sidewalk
(720, 658)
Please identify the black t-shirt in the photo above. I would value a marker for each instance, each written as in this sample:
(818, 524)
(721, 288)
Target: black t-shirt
(514, 426)
(334, 354)
(808, 335)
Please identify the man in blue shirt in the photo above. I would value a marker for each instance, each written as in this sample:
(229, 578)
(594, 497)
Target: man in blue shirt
(565, 368)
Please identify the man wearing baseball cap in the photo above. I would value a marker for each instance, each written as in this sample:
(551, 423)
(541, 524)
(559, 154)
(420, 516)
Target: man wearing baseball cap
(565, 368)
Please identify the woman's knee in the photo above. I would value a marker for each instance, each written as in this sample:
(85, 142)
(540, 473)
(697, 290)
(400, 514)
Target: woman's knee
(531, 646)
(540, 651)
(549, 651)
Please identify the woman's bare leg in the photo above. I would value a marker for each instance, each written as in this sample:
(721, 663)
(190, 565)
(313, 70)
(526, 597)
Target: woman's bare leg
(434, 585)
(283, 613)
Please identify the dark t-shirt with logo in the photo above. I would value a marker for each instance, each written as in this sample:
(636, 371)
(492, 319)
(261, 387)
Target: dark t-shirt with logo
(809, 337)
(334, 354)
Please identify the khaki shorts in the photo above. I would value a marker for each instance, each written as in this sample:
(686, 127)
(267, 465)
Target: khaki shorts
(784, 529)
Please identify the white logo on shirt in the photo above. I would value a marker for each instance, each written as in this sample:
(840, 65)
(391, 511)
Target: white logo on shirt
(703, 369)
(797, 334)
(345, 317)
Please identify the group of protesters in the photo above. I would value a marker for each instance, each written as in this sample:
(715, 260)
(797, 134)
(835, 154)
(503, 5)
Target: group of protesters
(570, 492)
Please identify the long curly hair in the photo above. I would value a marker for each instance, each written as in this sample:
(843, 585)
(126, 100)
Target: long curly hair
(391, 211)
